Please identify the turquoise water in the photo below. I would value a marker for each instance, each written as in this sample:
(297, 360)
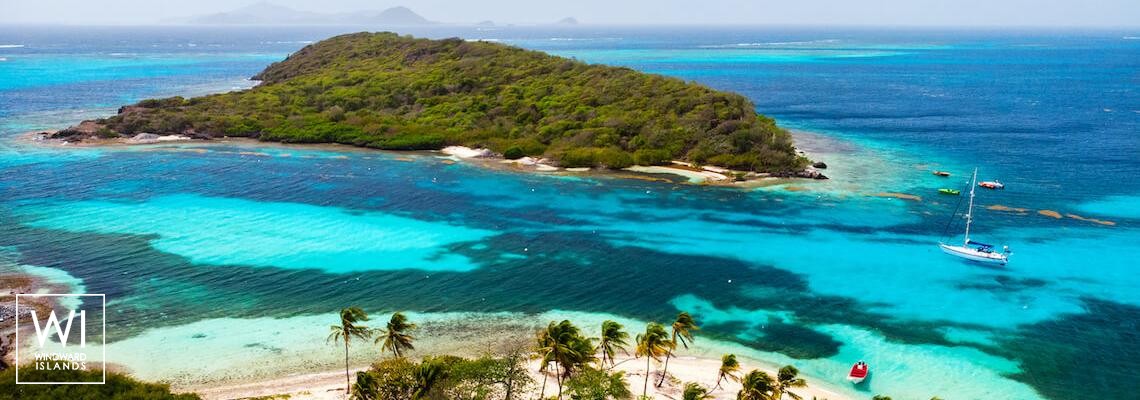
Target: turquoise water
(191, 239)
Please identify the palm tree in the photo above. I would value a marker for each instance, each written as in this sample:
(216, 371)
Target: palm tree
(562, 344)
(613, 339)
(396, 338)
(348, 329)
(786, 379)
(652, 344)
(693, 391)
(683, 329)
(728, 369)
(757, 385)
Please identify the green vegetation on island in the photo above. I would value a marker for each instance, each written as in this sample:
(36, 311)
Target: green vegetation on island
(385, 91)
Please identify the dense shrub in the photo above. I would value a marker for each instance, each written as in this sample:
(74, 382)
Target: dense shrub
(118, 387)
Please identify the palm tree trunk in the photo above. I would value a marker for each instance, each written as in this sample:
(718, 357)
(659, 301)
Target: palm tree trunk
(542, 393)
(645, 386)
(666, 371)
(347, 381)
(558, 371)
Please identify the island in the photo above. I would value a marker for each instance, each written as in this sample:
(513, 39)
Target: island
(392, 92)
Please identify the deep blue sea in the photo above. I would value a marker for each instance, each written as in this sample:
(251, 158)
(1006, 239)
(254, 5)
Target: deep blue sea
(191, 241)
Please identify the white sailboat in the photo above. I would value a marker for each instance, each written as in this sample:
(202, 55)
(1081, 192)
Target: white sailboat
(971, 250)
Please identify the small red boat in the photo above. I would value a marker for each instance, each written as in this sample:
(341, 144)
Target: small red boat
(992, 185)
(858, 372)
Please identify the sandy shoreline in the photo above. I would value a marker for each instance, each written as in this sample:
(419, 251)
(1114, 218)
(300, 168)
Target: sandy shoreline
(682, 172)
(276, 356)
(329, 385)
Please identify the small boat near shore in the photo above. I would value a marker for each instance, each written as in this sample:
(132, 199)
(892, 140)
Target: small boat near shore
(858, 372)
(952, 192)
(941, 173)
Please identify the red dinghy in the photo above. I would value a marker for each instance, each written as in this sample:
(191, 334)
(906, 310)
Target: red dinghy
(858, 372)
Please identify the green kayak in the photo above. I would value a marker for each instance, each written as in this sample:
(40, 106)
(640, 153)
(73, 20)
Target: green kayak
(954, 192)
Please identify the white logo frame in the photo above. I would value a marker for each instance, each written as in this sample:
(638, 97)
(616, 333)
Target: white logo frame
(102, 297)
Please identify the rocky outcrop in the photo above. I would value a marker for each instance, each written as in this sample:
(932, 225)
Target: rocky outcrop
(809, 173)
(819, 165)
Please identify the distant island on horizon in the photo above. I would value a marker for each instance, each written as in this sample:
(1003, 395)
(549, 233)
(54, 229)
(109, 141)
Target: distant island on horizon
(385, 91)
(267, 13)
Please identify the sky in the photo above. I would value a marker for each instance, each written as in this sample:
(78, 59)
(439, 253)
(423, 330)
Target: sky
(934, 13)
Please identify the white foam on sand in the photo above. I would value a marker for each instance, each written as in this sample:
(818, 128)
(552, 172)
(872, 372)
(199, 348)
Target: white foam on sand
(466, 152)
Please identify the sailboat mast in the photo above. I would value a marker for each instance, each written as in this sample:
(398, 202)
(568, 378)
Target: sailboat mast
(970, 210)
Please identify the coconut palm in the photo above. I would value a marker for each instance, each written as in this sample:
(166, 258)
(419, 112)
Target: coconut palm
(562, 344)
(349, 328)
(582, 353)
(396, 338)
(652, 344)
(786, 379)
(729, 367)
(757, 385)
(683, 328)
(613, 339)
(693, 391)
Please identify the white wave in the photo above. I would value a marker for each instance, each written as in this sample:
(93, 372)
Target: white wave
(1131, 38)
(11, 46)
(3, 59)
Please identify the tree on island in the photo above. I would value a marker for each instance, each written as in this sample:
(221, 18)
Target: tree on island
(652, 344)
(786, 379)
(729, 367)
(757, 385)
(694, 391)
(683, 328)
(396, 338)
(613, 338)
(348, 329)
(562, 343)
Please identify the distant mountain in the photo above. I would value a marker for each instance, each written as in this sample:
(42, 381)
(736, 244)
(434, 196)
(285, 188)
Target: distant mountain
(400, 16)
(567, 21)
(265, 13)
(485, 23)
(262, 13)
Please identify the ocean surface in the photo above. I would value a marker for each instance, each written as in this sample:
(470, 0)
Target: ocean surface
(191, 242)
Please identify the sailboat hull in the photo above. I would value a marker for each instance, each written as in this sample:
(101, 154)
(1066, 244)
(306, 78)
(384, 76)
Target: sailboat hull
(973, 254)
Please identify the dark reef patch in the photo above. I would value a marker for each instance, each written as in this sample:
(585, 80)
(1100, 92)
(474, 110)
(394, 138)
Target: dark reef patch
(1091, 355)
